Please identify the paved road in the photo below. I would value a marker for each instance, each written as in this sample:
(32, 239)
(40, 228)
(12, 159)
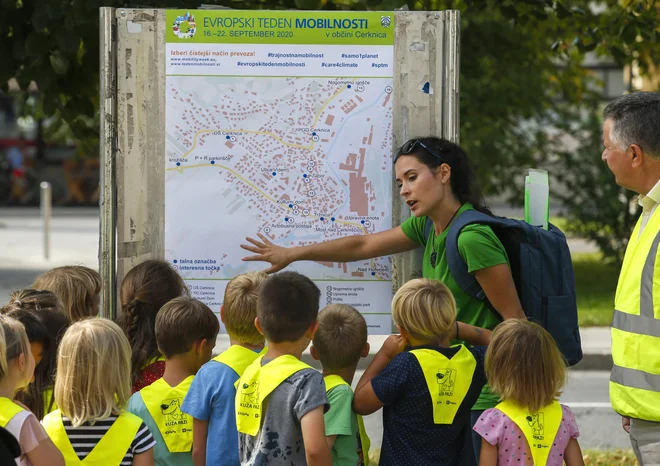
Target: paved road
(74, 240)
(587, 395)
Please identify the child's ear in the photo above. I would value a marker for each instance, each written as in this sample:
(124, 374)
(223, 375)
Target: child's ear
(314, 353)
(222, 313)
(403, 333)
(311, 331)
(258, 325)
(365, 350)
(200, 345)
(21, 362)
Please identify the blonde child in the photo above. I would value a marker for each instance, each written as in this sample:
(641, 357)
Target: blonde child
(339, 343)
(185, 331)
(529, 426)
(77, 286)
(426, 387)
(210, 400)
(16, 370)
(280, 400)
(91, 388)
(45, 322)
(145, 289)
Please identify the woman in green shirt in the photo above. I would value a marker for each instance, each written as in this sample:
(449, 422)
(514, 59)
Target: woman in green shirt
(436, 181)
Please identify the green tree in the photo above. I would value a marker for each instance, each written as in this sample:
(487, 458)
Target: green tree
(520, 64)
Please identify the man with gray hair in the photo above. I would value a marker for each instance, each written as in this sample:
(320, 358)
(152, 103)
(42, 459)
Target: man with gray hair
(631, 135)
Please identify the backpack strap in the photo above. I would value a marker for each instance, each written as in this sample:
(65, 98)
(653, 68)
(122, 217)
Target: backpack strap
(457, 265)
(428, 227)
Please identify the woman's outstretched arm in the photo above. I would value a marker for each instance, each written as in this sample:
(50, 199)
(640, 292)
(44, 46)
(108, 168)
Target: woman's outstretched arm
(348, 249)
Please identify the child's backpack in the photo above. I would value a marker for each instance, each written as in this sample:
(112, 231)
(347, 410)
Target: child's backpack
(542, 271)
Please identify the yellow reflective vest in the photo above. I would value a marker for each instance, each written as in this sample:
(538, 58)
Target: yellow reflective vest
(332, 381)
(238, 358)
(540, 428)
(256, 383)
(448, 380)
(108, 452)
(635, 377)
(164, 405)
(8, 409)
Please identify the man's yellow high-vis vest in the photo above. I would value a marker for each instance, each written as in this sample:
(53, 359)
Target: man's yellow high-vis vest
(635, 378)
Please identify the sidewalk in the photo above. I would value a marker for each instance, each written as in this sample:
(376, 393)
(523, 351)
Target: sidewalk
(74, 240)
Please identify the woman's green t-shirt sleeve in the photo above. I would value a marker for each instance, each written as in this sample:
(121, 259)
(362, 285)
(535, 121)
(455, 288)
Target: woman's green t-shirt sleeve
(413, 228)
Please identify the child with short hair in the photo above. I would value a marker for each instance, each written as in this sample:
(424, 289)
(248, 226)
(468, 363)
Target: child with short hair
(529, 426)
(145, 289)
(210, 400)
(339, 343)
(280, 400)
(45, 322)
(78, 287)
(185, 331)
(92, 387)
(426, 387)
(16, 370)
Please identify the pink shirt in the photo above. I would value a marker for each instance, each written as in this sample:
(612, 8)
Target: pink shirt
(29, 433)
(512, 449)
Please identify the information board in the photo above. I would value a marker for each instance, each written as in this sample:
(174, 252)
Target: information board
(279, 123)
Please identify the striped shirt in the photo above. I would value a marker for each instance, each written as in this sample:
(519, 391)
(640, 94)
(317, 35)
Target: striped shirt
(85, 437)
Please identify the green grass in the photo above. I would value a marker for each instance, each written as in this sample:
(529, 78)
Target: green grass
(609, 458)
(591, 457)
(595, 284)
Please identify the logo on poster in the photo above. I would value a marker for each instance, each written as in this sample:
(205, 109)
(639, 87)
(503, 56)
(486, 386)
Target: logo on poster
(184, 27)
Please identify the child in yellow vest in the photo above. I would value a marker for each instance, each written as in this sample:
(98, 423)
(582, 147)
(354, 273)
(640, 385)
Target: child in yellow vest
(145, 289)
(42, 314)
(210, 400)
(280, 400)
(529, 426)
(16, 370)
(339, 343)
(185, 332)
(426, 386)
(92, 386)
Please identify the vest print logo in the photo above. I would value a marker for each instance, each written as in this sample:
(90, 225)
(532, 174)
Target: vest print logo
(446, 379)
(535, 421)
(250, 392)
(171, 410)
(250, 396)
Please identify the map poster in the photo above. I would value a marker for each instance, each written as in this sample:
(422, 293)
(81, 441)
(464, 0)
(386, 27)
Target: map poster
(279, 123)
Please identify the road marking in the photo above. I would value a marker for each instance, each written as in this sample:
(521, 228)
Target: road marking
(587, 404)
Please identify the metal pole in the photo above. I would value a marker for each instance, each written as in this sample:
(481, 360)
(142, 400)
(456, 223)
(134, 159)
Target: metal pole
(46, 212)
(108, 145)
(452, 66)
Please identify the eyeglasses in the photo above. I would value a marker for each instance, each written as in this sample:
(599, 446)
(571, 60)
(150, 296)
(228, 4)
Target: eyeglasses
(411, 145)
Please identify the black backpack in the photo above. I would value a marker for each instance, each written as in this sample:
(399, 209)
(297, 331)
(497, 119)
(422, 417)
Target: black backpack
(542, 270)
